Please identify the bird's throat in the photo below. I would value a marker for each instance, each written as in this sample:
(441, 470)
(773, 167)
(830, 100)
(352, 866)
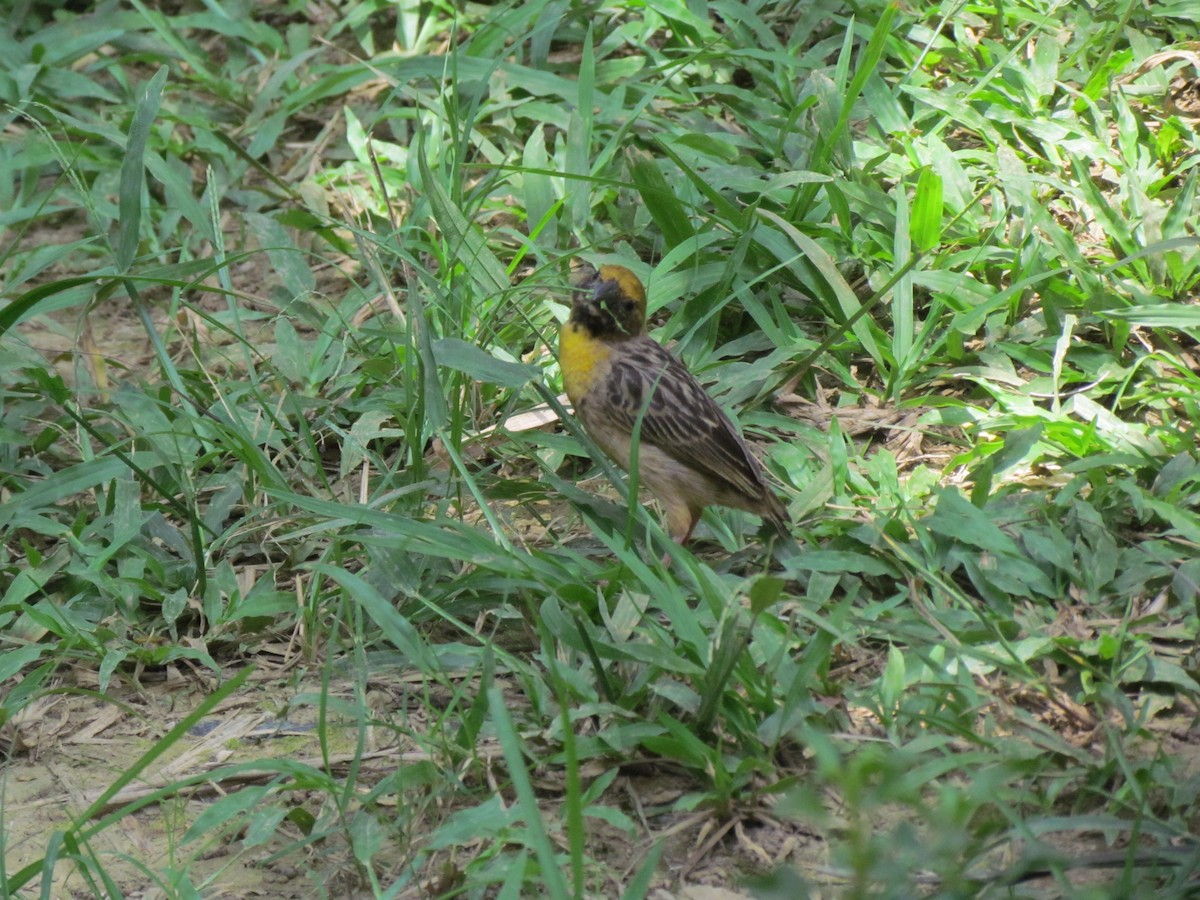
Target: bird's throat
(583, 359)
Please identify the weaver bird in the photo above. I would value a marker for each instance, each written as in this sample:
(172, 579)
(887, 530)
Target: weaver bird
(689, 455)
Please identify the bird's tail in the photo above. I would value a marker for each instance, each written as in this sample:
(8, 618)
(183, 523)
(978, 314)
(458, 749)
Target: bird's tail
(775, 513)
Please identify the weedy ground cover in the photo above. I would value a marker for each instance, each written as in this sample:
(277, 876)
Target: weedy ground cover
(308, 583)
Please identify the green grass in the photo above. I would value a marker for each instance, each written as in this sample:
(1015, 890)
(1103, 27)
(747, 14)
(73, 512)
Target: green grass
(274, 290)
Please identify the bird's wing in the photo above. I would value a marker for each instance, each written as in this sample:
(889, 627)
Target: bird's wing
(683, 421)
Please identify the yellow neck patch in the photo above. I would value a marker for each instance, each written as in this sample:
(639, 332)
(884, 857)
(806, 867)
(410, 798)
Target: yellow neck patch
(582, 358)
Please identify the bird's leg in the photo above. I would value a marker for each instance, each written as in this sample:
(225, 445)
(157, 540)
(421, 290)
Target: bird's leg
(692, 523)
(682, 538)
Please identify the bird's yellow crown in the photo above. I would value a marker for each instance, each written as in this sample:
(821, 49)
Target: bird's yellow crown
(610, 303)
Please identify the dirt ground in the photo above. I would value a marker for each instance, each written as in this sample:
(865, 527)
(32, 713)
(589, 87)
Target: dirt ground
(70, 746)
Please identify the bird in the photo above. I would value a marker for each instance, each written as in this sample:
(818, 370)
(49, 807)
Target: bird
(689, 454)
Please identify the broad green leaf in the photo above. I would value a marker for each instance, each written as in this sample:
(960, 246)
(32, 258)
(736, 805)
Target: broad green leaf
(821, 260)
(927, 211)
(660, 200)
(479, 364)
(132, 169)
